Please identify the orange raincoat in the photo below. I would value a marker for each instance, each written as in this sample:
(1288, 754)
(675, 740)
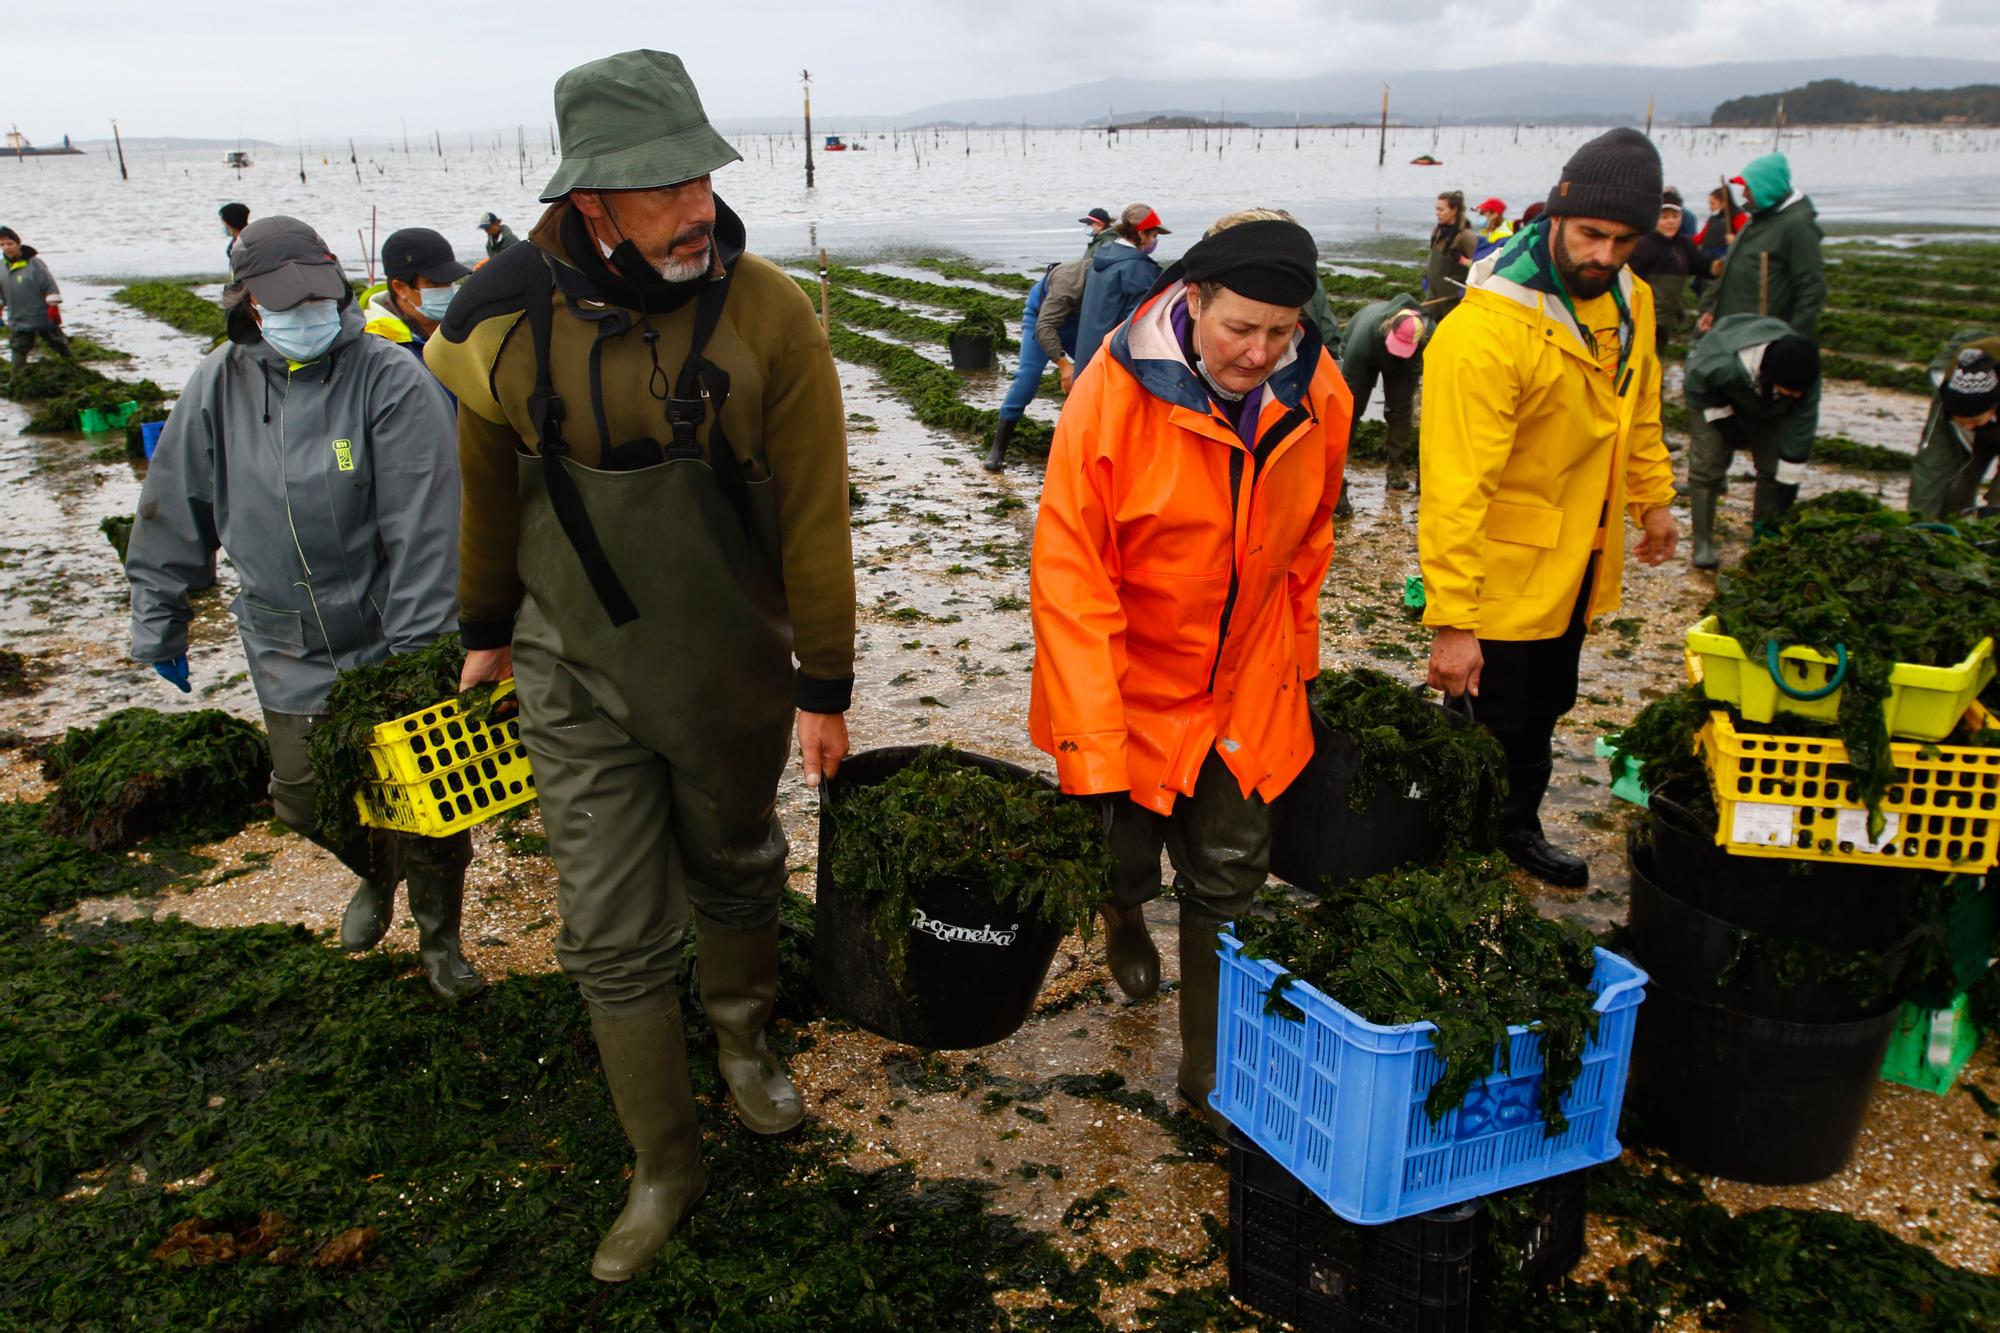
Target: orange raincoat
(1176, 579)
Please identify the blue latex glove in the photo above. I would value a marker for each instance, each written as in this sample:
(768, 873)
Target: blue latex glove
(175, 673)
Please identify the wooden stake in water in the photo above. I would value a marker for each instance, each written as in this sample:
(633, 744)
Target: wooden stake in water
(1778, 129)
(806, 86)
(825, 319)
(1649, 118)
(354, 160)
(121, 151)
(1382, 144)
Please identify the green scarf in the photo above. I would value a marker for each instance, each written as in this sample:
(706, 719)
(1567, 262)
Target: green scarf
(1526, 258)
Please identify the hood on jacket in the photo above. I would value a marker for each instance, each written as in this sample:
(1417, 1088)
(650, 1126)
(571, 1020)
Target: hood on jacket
(1769, 179)
(1116, 251)
(1150, 351)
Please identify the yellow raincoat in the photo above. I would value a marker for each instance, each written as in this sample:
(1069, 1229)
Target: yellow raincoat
(1529, 446)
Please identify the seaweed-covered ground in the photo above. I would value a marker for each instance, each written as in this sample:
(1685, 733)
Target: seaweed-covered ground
(216, 1119)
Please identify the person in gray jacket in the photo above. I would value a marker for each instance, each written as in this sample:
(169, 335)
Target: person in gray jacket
(324, 463)
(33, 300)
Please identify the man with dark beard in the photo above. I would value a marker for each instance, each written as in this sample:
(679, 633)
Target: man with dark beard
(1541, 412)
(654, 527)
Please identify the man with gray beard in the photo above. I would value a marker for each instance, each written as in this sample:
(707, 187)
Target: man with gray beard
(655, 537)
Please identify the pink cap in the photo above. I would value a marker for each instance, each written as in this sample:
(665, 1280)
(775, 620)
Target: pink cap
(1405, 331)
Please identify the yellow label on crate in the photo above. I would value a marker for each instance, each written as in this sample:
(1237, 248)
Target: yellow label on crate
(343, 454)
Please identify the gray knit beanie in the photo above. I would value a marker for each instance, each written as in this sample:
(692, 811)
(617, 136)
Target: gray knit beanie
(1615, 176)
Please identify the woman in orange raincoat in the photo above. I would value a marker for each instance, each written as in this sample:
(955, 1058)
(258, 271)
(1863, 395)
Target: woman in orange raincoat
(1186, 525)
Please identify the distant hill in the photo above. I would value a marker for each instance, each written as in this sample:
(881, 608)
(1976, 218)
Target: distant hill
(1838, 102)
(1493, 94)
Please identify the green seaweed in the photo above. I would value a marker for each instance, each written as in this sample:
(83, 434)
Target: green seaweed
(142, 774)
(117, 529)
(966, 300)
(964, 272)
(1402, 739)
(361, 699)
(940, 820)
(175, 304)
(1831, 579)
(932, 391)
(1455, 945)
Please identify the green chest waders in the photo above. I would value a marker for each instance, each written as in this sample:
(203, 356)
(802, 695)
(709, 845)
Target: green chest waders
(653, 650)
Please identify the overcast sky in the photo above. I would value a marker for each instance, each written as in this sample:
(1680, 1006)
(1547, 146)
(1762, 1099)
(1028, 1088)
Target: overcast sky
(271, 71)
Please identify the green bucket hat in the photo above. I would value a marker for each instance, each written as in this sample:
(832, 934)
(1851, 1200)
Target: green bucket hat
(632, 121)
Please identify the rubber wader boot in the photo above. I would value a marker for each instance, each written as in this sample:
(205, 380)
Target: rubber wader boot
(1129, 951)
(1003, 434)
(1521, 834)
(1344, 509)
(645, 1062)
(437, 900)
(1201, 972)
(1702, 499)
(1772, 499)
(739, 983)
(374, 857)
(367, 917)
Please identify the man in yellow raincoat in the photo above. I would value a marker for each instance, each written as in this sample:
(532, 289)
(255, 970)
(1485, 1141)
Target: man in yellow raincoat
(1541, 414)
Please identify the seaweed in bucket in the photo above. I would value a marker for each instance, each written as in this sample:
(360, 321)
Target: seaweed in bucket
(941, 820)
(1455, 945)
(1401, 739)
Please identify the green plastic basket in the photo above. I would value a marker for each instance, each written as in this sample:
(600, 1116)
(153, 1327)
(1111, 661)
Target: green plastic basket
(1930, 1047)
(91, 421)
(121, 416)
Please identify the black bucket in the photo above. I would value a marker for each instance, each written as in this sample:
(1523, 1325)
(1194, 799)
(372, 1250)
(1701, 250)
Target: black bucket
(973, 967)
(1833, 905)
(970, 351)
(1751, 1099)
(1319, 839)
(1691, 950)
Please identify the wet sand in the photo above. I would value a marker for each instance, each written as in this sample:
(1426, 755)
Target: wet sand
(945, 654)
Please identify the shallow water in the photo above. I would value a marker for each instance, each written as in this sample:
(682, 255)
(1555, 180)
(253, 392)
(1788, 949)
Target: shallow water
(999, 195)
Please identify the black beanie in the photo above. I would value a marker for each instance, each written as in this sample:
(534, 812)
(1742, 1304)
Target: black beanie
(1791, 362)
(1974, 387)
(1616, 176)
(1274, 262)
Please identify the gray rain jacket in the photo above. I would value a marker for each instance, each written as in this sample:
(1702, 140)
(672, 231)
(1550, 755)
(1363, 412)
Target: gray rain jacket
(332, 487)
(30, 288)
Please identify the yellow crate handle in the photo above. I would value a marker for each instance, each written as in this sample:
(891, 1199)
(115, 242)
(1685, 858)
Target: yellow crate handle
(1806, 696)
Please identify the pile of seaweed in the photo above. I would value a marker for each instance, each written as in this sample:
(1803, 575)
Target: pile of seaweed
(1456, 945)
(1884, 587)
(65, 388)
(117, 529)
(142, 774)
(175, 304)
(942, 820)
(19, 673)
(1661, 741)
(1400, 737)
(361, 699)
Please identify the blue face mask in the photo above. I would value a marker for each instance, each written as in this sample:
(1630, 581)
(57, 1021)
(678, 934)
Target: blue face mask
(304, 332)
(435, 301)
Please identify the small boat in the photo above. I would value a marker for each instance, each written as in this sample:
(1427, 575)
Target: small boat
(834, 144)
(237, 158)
(1426, 160)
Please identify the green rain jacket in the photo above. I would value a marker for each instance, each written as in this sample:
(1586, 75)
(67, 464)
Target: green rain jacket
(1722, 385)
(1775, 267)
(1363, 357)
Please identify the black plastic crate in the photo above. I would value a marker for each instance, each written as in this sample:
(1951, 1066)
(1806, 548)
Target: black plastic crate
(1291, 1257)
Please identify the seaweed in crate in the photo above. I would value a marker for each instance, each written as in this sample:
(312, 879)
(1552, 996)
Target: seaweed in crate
(1886, 589)
(1455, 945)
(143, 774)
(1400, 738)
(364, 698)
(942, 821)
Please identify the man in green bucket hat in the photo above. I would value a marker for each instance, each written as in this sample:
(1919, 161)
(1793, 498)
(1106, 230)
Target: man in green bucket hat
(655, 537)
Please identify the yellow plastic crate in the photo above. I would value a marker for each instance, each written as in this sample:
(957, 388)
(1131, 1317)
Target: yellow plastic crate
(438, 772)
(1925, 702)
(1793, 797)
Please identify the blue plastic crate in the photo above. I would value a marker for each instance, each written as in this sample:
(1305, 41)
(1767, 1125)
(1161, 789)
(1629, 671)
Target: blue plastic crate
(1339, 1101)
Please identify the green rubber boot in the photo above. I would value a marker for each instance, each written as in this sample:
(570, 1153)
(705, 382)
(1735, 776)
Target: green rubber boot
(436, 886)
(645, 1062)
(1701, 500)
(1129, 950)
(367, 917)
(1200, 1012)
(738, 971)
